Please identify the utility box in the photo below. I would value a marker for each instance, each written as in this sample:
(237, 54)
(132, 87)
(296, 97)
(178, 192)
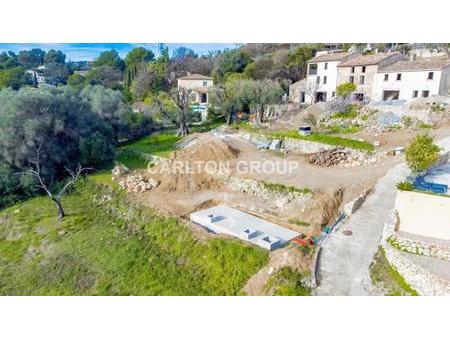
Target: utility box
(304, 130)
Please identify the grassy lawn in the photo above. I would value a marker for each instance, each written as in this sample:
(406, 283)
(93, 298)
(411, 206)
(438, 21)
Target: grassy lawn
(284, 189)
(207, 126)
(287, 282)
(107, 245)
(314, 137)
(350, 129)
(385, 276)
(132, 154)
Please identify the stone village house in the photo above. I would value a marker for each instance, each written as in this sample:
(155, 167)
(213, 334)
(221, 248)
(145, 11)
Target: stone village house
(379, 77)
(407, 80)
(200, 86)
(321, 79)
(362, 71)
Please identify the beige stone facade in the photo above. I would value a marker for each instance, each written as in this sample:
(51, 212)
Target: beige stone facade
(199, 84)
(362, 72)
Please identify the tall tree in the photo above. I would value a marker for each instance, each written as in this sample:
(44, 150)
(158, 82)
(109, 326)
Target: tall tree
(134, 60)
(109, 58)
(264, 93)
(55, 56)
(183, 52)
(13, 78)
(106, 76)
(182, 98)
(31, 58)
(296, 62)
(230, 61)
(440, 48)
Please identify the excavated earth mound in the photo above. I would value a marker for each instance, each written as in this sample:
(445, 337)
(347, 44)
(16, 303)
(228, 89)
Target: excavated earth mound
(188, 169)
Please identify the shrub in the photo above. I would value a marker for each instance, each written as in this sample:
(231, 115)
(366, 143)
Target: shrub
(287, 282)
(437, 108)
(421, 153)
(349, 113)
(423, 125)
(345, 89)
(407, 121)
(405, 185)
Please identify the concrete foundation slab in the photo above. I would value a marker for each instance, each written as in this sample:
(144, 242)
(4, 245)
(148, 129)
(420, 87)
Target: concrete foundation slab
(234, 222)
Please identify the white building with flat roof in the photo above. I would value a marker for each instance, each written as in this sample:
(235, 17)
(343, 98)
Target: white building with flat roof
(223, 219)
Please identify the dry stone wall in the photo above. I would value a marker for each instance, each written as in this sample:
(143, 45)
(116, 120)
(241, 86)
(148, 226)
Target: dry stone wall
(424, 282)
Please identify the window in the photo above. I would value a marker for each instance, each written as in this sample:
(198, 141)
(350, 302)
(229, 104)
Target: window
(326, 66)
(430, 75)
(359, 96)
(399, 76)
(415, 93)
(312, 69)
(302, 97)
(205, 83)
(324, 80)
(351, 79)
(318, 80)
(425, 93)
(361, 80)
(386, 77)
(333, 94)
(353, 69)
(363, 69)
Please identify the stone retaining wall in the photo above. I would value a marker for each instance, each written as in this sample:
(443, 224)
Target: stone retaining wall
(305, 147)
(424, 282)
(419, 247)
(256, 188)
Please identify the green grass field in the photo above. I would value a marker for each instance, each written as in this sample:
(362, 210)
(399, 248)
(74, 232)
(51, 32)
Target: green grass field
(287, 282)
(108, 245)
(132, 155)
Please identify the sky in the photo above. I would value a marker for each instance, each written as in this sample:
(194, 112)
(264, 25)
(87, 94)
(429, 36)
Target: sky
(89, 51)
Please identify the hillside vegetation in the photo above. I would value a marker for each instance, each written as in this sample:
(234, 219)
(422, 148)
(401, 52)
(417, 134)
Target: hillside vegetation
(108, 245)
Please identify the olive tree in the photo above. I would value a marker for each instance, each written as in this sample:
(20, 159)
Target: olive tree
(263, 93)
(174, 107)
(36, 171)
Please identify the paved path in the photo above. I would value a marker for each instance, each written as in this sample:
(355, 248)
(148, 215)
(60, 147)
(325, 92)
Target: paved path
(435, 266)
(344, 261)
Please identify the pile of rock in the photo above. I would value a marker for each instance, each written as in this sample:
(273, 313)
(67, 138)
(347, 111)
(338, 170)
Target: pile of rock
(138, 183)
(329, 157)
(119, 170)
